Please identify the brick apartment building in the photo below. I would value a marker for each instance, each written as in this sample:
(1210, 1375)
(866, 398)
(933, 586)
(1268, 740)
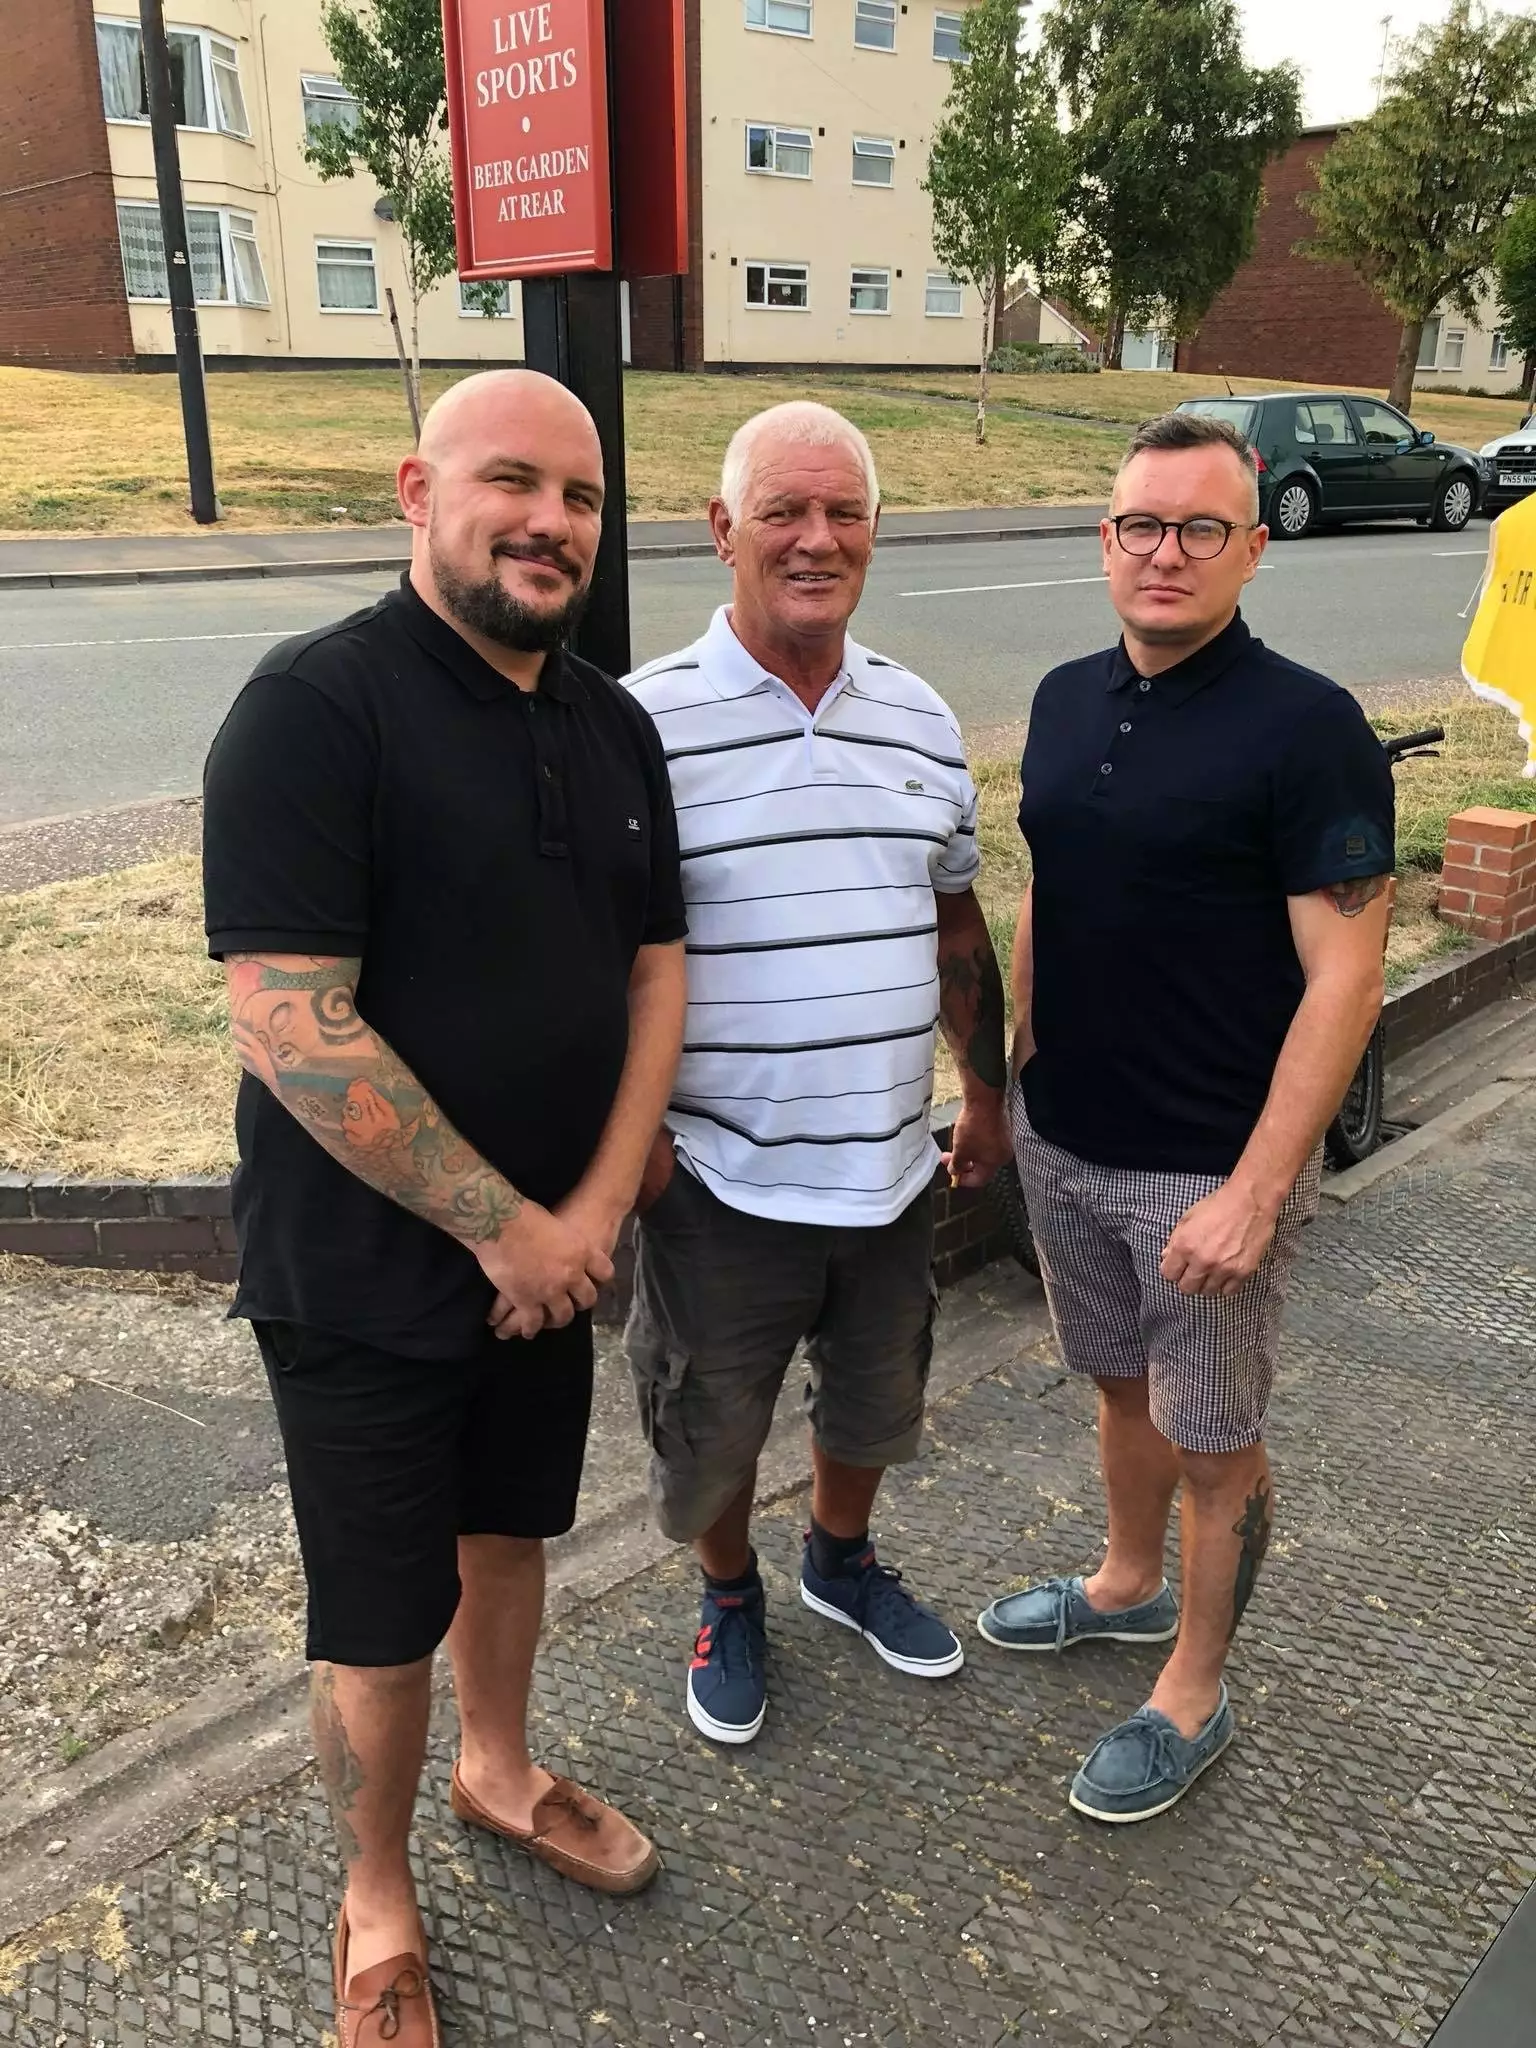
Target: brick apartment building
(811, 238)
(1286, 317)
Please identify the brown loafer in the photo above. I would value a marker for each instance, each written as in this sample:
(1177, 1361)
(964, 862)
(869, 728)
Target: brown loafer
(573, 1833)
(392, 2002)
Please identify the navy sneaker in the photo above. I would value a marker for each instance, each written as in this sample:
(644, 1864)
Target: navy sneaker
(727, 1684)
(870, 1597)
(1145, 1765)
(1056, 1614)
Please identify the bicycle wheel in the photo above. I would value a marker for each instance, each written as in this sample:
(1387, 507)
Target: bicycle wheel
(1355, 1132)
(1009, 1197)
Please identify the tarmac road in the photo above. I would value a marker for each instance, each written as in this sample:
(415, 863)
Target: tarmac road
(111, 695)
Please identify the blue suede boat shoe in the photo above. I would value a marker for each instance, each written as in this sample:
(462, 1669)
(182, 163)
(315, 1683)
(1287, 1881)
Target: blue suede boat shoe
(1055, 1614)
(1145, 1765)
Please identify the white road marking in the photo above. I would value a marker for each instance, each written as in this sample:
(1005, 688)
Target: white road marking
(1456, 554)
(974, 589)
(152, 640)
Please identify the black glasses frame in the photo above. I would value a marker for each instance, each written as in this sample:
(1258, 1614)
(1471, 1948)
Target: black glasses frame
(1177, 526)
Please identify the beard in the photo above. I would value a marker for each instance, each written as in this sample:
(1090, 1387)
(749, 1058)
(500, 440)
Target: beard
(487, 609)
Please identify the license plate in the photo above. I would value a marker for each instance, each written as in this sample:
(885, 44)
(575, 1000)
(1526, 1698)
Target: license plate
(1525, 476)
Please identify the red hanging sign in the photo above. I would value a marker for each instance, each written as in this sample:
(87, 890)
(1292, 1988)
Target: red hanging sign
(528, 132)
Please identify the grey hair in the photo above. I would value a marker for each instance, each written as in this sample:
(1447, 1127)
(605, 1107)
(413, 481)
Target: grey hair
(1173, 431)
(799, 423)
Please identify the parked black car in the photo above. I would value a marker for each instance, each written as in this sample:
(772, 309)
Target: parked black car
(1325, 457)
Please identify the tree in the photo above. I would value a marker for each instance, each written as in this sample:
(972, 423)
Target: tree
(996, 166)
(1515, 268)
(1170, 134)
(1416, 196)
(391, 62)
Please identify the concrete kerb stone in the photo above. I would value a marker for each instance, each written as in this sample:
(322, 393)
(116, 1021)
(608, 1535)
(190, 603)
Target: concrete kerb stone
(1402, 1152)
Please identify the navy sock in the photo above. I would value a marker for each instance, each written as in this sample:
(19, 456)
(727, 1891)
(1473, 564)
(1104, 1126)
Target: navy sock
(747, 1583)
(832, 1555)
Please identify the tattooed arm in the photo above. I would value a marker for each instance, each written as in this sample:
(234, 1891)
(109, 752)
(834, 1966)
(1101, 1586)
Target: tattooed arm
(296, 1027)
(1340, 936)
(971, 1018)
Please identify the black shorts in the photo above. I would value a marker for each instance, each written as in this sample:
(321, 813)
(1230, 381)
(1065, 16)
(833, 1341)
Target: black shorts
(391, 1460)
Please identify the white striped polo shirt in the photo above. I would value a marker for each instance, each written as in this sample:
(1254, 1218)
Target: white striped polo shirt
(811, 850)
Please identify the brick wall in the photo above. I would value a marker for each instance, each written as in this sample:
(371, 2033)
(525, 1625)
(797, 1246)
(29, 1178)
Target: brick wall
(1285, 317)
(1488, 882)
(62, 302)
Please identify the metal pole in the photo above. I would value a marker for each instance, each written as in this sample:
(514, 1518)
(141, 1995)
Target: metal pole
(178, 262)
(572, 332)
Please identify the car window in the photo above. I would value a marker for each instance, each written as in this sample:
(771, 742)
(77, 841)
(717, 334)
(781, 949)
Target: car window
(1324, 422)
(1234, 411)
(1381, 426)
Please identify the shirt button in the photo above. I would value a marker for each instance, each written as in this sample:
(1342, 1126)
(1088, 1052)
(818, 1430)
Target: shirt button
(549, 773)
(1107, 768)
(1126, 726)
(1144, 686)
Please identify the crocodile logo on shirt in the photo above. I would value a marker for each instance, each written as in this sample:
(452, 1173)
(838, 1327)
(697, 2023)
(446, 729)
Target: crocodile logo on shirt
(913, 785)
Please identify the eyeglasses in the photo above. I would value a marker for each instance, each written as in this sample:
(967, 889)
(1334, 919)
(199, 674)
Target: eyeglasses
(1202, 540)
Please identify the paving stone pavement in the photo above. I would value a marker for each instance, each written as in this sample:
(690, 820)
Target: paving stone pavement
(894, 1862)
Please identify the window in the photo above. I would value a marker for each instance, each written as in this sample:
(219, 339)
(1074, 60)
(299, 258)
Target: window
(1324, 422)
(1455, 345)
(874, 24)
(347, 278)
(205, 78)
(943, 296)
(222, 246)
(874, 160)
(1498, 351)
(1240, 415)
(780, 152)
(946, 38)
(781, 287)
(1381, 426)
(784, 17)
(327, 104)
(473, 294)
(1429, 344)
(870, 291)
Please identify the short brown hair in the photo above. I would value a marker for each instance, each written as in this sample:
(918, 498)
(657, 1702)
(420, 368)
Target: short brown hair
(1175, 430)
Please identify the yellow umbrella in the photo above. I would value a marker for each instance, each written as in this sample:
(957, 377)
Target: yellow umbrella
(1499, 659)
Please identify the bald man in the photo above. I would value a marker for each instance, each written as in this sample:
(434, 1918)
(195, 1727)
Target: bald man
(441, 870)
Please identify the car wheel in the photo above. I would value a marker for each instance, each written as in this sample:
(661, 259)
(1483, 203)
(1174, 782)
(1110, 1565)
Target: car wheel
(1454, 506)
(1294, 510)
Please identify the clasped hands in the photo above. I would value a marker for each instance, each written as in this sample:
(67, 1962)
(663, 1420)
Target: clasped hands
(547, 1264)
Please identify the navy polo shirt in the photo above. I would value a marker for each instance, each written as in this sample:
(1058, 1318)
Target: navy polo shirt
(1168, 819)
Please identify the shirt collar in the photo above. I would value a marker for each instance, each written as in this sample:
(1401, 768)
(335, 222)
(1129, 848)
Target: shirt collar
(731, 671)
(1179, 683)
(444, 644)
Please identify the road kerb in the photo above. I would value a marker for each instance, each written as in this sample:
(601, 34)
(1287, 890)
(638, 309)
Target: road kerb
(1355, 1180)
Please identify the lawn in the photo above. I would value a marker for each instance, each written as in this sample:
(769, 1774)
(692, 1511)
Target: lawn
(115, 1059)
(104, 454)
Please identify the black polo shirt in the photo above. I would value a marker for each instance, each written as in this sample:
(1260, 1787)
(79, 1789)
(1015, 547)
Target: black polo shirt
(1168, 820)
(496, 858)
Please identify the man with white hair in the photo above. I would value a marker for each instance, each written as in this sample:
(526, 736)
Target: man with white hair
(828, 831)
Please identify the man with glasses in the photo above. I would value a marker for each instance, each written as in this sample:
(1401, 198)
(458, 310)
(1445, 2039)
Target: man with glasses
(1196, 972)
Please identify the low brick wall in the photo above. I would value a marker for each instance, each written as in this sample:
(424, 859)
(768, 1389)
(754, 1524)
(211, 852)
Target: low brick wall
(183, 1226)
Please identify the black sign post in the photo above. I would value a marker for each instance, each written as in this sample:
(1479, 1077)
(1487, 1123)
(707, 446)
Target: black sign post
(178, 262)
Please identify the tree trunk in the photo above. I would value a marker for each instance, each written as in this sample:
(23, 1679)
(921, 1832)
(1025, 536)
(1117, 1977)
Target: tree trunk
(988, 321)
(1401, 394)
(1528, 381)
(1114, 338)
(416, 359)
(411, 398)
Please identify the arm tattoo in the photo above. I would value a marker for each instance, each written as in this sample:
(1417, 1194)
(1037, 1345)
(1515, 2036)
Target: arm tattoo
(301, 1034)
(971, 1011)
(1350, 898)
(340, 1769)
(1254, 1529)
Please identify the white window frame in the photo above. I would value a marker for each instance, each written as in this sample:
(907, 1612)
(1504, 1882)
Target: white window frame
(870, 277)
(946, 14)
(1453, 348)
(768, 265)
(780, 134)
(354, 243)
(941, 281)
(873, 149)
(474, 312)
(882, 11)
(321, 85)
(764, 10)
(234, 226)
(229, 58)
(1433, 325)
(1498, 350)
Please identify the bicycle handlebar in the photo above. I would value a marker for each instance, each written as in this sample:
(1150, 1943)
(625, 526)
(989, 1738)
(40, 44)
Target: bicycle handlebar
(1409, 742)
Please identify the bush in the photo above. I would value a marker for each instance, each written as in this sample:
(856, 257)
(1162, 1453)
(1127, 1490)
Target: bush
(1017, 358)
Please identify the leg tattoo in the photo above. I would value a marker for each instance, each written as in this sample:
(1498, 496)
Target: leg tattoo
(1254, 1529)
(339, 1765)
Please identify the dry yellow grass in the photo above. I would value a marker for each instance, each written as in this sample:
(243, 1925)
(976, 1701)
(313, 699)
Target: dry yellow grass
(114, 1054)
(88, 454)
